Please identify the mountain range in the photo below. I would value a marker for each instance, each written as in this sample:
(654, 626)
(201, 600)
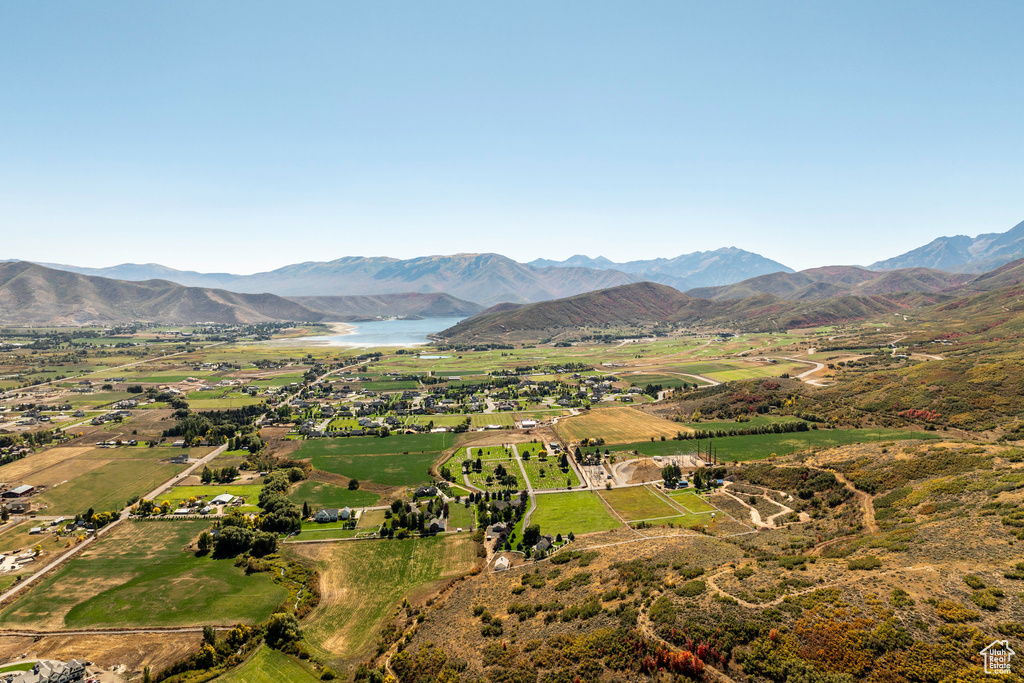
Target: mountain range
(488, 279)
(35, 295)
(481, 278)
(962, 254)
(767, 303)
(699, 269)
(31, 294)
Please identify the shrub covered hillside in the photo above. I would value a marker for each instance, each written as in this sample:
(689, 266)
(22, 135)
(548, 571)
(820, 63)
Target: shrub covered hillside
(898, 565)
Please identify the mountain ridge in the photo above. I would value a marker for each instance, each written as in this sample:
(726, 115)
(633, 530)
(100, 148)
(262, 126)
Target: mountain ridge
(961, 253)
(652, 304)
(696, 269)
(31, 294)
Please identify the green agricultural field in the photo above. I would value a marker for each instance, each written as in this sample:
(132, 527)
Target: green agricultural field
(758, 446)
(554, 477)
(372, 445)
(479, 479)
(686, 521)
(580, 513)
(251, 492)
(323, 532)
(141, 575)
(666, 381)
(691, 501)
(110, 486)
(438, 420)
(386, 385)
(638, 502)
(323, 495)
(269, 666)
(368, 580)
(488, 453)
(392, 461)
(459, 516)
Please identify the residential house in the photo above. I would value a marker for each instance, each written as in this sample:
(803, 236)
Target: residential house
(327, 515)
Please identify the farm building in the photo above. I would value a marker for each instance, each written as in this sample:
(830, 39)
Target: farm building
(501, 564)
(19, 491)
(223, 499)
(19, 507)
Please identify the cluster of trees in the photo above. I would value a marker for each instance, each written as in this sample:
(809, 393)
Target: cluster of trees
(671, 474)
(218, 426)
(98, 519)
(31, 439)
(280, 515)
(703, 477)
(222, 475)
(146, 507)
(772, 428)
(238, 535)
(490, 511)
(403, 520)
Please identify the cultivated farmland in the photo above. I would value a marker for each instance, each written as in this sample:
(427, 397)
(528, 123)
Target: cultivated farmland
(362, 582)
(142, 575)
(616, 425)
(580, 513)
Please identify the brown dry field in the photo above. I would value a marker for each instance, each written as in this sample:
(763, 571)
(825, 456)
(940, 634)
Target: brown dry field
(36, 465)
(642, 470)
(149, 424)
(134, 651)
(616, 425)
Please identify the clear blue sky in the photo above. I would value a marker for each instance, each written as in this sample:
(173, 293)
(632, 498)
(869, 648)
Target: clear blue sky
(245, 136)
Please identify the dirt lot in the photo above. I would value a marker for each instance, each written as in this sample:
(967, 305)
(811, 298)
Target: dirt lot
(133, 651)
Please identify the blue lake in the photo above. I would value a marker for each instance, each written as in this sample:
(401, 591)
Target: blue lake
(388, 332)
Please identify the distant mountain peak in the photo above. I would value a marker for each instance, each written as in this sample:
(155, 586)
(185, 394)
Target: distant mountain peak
(721, 266)
(962, 254)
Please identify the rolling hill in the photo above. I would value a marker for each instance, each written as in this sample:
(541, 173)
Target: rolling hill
(834, 281)
(648, 303)
(140, 272)
(35, 295)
